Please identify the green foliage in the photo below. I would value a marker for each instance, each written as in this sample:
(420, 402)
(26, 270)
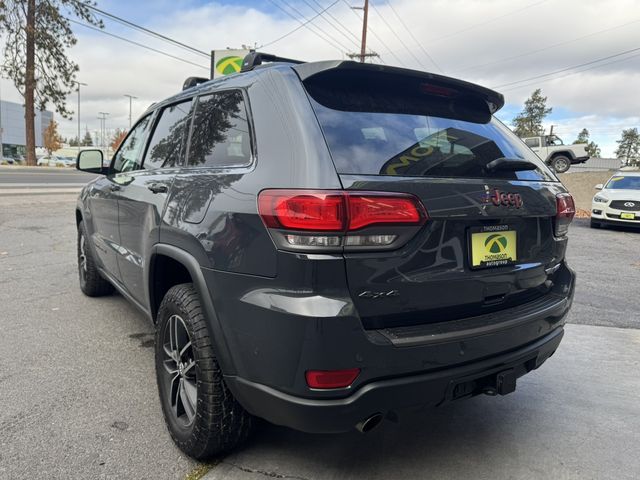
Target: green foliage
(528, 123)
(87, 141)
(629, 146)
(54, 73)
(592, 148)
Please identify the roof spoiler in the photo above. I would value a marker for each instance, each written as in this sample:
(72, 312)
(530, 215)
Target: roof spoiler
(257, 58)
(315, 70)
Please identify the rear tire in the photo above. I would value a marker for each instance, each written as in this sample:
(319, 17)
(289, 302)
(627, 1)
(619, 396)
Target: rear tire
(560, 164)
(203, 418)
(92, 283)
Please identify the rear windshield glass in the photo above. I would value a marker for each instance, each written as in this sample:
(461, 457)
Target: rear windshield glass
(624, 183)
(369, 140)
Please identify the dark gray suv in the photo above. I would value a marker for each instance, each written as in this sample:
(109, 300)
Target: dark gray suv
(325, 245)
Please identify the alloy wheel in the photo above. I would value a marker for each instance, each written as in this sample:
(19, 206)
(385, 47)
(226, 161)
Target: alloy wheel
(179, 371)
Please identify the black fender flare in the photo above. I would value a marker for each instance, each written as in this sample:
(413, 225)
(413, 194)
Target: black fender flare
(223, 354)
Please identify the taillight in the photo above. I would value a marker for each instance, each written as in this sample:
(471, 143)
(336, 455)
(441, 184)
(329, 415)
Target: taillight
(313, 210)
(565, 211)
(331, 378)
(333, 219)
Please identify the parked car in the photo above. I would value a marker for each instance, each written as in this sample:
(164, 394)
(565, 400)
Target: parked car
(56, 161)
(618, 201)
(555, 153)
(325, 245)
(7, 161)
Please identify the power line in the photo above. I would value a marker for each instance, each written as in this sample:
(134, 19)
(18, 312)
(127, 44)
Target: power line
(307, 25)
(408, 30)
(568, 68)
(145, 30)
(549, 47)
(572, 73)
(298, 27)
(491, 20)
(302, 15)
(346, 29)
(331, 24)
(135, 43)
(384, 20)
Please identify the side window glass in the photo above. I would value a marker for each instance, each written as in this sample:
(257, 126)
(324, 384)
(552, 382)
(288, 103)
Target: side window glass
(220, 134)
(165, 146)
(129, 156)
(532, 142)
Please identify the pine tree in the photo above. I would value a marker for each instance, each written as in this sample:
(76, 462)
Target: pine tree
(36, 35)
(629, 146)
(87, 141)
(592, 148)
(528, 123)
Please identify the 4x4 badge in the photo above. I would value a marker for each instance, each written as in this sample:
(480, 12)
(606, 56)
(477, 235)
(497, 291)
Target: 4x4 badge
(506, 199)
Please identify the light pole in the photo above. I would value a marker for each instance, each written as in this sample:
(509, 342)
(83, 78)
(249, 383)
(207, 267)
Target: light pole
(131, 97)
(84, 85)
(103, 124)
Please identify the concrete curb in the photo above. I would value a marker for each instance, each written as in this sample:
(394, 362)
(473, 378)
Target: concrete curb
(7, 192)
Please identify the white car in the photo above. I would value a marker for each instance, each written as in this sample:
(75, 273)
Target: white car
(618, 201)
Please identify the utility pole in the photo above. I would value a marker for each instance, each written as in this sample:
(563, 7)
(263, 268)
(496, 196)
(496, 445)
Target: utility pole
(103, 126)
(84, 85)
(131, 97)
(363, 55)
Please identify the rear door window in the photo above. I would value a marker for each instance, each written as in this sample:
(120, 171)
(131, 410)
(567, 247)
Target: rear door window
(167, 141)
(220, 135)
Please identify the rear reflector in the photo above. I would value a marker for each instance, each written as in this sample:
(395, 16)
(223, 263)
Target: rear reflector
(324, 379)
(337, 211)
(565, 212)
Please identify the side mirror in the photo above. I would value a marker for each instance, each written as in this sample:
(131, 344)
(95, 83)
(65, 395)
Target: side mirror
(599, 186)
(90, 161)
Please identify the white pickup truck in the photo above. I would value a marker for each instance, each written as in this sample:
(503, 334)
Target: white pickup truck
(555, 153)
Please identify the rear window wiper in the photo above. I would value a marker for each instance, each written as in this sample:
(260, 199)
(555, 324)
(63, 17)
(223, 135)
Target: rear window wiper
(510, 164)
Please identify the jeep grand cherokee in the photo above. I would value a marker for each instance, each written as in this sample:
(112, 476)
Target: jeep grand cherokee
(325, 245)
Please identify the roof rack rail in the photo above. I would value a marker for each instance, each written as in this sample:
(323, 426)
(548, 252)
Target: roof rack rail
(256, 58)
(193, 81)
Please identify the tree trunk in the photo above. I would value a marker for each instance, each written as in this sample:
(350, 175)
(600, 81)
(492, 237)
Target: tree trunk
(30, 84)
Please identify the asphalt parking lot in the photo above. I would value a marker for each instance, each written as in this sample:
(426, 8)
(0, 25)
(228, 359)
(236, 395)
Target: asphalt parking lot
(79, 398)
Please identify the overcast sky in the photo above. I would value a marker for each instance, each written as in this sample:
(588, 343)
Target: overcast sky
(491, 42)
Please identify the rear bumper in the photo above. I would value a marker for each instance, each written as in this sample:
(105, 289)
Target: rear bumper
(274, 335)
(390, 396)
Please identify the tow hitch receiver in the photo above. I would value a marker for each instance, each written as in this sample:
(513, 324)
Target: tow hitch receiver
(506, 382)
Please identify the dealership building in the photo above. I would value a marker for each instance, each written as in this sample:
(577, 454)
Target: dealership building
(12, 129)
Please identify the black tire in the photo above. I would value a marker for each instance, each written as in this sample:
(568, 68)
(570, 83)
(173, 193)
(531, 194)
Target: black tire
(92, 283)
(560, 164)
(593, 224)
(218, 423)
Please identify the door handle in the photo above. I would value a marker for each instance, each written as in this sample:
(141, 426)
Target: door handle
(158, 188)
(114, 187)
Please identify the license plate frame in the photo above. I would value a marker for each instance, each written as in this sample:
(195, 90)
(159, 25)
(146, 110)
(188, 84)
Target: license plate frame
(628, 216)
(481, 240)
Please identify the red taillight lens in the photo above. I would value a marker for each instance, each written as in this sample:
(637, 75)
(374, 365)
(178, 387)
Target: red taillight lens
(331, 378)
(565, 211)
(303, 210)
(367, 210)
(333, 211)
